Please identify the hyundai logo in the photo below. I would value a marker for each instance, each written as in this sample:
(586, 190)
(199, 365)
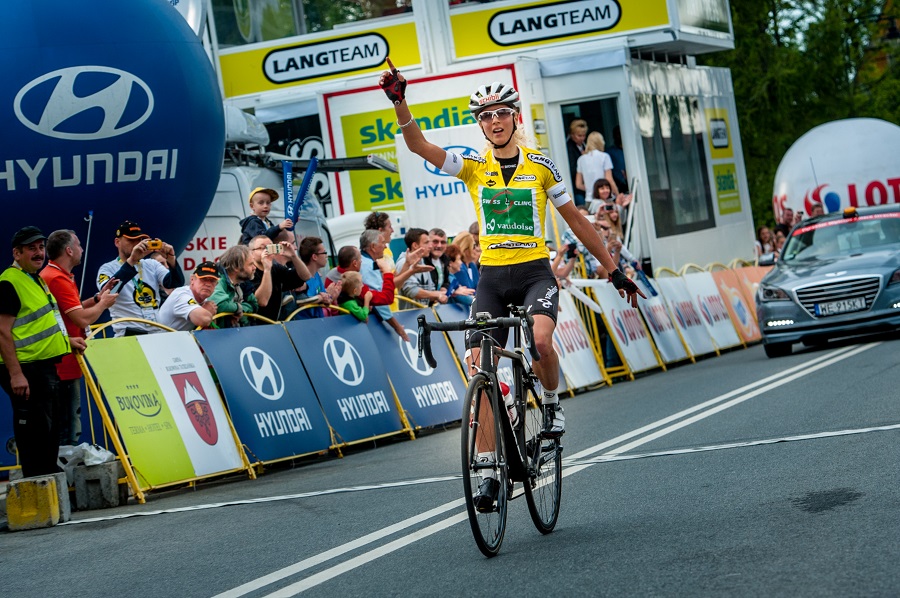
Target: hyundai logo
(84, 102)
(262, 373)
(462, 150)
(344, 361)
(410, 353)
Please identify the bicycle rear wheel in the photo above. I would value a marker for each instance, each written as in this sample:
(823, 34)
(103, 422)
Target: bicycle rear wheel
(543, 490)
(480, 431)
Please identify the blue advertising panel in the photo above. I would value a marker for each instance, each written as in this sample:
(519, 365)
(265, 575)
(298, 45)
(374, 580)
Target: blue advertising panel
(272, 404)
(347, 372)
(430, 396)
(453, 312)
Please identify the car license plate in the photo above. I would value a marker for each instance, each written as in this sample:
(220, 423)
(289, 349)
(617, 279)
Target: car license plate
(839, 307)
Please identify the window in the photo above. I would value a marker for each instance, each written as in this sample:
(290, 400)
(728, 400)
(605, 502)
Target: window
(240, 22)
(671, 131)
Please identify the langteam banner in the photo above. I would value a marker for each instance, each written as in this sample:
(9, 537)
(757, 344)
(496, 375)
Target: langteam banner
(165, 405)
(272, 403)
(430, 396)
(480, 31)
(348, 375)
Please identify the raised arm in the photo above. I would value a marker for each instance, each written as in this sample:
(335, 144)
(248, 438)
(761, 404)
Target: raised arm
(394, 86)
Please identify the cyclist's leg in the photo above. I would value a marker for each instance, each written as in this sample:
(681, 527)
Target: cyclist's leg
(542, 301)
(489, 298)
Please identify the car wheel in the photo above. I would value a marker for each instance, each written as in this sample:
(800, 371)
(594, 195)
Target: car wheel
(777, 349)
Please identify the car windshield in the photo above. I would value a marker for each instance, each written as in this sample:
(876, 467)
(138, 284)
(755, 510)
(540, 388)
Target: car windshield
(847, 236)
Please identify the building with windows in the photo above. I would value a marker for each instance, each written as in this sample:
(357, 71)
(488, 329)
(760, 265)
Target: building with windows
(308, 70)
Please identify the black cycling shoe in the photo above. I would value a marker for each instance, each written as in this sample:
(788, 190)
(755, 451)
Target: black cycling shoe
(487, 494)
(554, 421)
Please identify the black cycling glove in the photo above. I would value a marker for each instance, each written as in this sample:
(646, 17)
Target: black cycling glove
(622, 282)
(394, 88)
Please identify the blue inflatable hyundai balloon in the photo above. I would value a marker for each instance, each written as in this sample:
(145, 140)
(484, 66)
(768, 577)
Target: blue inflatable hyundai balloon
(107, 107)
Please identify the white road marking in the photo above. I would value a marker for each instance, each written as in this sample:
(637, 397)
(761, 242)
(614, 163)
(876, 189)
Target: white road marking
(714, 406)
(264, 499)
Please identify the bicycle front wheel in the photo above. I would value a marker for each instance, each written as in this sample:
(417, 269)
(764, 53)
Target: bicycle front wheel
(481, 434)
(543, 489)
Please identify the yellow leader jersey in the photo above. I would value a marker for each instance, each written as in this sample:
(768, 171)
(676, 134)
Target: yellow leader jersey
(510, 217)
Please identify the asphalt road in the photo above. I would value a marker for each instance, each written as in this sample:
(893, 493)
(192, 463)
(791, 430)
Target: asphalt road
(734, 476)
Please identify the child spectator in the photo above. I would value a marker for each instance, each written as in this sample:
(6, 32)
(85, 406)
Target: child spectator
(457, 291)
(349, 298)
(259, 224)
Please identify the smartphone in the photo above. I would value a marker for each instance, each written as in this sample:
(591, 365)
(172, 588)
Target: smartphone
(274, 249)
(608, 207)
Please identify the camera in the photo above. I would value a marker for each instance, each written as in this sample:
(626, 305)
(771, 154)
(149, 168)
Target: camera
(274, 249)
(154, 244)
(608, 207)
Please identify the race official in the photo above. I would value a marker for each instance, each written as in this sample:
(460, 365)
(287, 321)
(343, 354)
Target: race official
(189, 306)
(33, 340)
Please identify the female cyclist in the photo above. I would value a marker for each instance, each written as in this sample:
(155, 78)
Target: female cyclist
(510, 186)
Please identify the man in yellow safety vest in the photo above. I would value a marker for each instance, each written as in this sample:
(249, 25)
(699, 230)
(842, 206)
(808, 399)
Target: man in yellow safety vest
(33, 340)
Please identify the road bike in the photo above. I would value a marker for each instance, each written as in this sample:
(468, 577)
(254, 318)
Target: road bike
(523, 452)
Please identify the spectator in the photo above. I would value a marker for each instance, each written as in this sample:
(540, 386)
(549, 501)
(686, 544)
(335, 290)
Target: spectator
(313, 254)
(374, 270)
(159, 257)
(31, 342)
(65, 251)
(140, 279)
(258, 223)
(765, 242)
(612, 217)
(351, 290)
(420, 287)
(436, 258)
(190, 306)
(272, 279)
(457, 291)
(780, 237)
(617, 155)
(474, 231)
(575, 147)
(787, 221)
(381, 221)
(237, 267)
(593, 164)
(817, 209)
(572, 247)
(469, 252)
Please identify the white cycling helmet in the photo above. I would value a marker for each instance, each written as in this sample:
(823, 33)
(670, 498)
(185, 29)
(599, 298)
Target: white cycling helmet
(495, 94)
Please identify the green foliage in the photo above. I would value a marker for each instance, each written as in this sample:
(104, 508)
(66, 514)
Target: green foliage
(798, 64)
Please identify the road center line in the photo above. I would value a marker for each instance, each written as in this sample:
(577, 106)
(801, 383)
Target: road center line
(774, 381)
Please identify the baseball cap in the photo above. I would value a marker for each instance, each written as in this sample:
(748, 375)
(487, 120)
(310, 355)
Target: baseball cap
(207, 270)
(26, 235)
(271, 192)
(130, 230)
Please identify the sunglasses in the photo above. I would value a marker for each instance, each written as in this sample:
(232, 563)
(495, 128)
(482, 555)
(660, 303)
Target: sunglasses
(500, 113)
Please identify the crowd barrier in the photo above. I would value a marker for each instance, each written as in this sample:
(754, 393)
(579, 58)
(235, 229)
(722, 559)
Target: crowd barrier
(183, 406)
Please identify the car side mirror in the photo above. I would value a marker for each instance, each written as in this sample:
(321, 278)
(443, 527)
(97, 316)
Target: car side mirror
(767, 259)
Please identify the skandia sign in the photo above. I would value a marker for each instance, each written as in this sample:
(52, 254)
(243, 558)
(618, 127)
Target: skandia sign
(332, 57)
(119, 117)
(549, 21)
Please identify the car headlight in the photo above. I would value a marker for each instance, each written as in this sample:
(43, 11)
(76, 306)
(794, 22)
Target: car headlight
(770, 293)
(895, 278)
